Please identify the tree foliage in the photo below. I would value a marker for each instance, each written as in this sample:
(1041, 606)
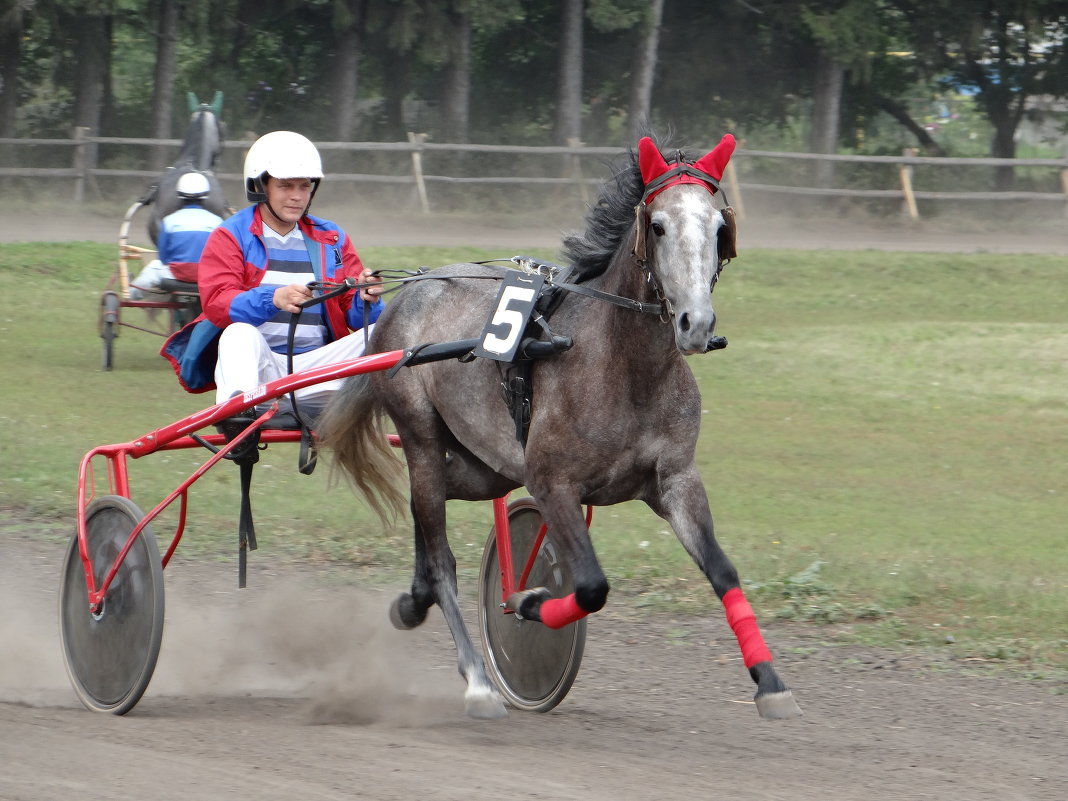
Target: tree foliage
(490, 70)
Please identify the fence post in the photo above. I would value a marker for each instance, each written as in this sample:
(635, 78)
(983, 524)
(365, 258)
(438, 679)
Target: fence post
(736, 193)
(906, 185)
(417, 169)
(81, 162)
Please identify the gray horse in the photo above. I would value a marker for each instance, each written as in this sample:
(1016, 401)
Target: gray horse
(201, 146)
(613, 418)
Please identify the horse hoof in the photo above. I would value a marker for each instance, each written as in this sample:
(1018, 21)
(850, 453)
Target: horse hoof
(777, 706)
(404, 614)
(484, 705)
(525, 603)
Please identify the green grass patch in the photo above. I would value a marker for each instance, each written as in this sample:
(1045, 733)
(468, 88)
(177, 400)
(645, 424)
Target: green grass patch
(883, 445)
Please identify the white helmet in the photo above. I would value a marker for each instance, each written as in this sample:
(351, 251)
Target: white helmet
(280, 154)
(193, 186)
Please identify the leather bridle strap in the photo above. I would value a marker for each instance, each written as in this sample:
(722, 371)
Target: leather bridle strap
(662, 181)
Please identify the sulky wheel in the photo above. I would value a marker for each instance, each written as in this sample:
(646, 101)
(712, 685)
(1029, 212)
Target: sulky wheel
(532, 665)
(109, 327)
(110, 655)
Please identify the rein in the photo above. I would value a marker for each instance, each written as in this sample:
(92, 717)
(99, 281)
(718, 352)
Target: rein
(549, 270)
(398, 278)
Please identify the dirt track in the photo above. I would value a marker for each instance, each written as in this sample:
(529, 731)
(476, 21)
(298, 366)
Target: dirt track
(298, 689)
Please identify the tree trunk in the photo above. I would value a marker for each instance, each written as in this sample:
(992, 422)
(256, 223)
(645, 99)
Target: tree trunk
(346, 82)
(166, 74)
(92, 48)
(569, 81)
(1004, 109)
(826, 113)
(396, 90)
(645, 60)
(1003, 146)
(456, 92)
(10, 39)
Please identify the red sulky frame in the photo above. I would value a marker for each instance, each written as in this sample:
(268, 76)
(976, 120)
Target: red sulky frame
(508, 639)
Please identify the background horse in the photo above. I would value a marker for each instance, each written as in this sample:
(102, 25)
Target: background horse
(201, 147)
(614, 418)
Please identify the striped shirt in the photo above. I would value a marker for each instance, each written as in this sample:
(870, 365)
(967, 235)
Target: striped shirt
(288, 263)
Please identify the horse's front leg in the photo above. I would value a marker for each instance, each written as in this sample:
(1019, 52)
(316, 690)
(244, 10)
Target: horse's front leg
(684, 504)
(438, 570)
(567, 526)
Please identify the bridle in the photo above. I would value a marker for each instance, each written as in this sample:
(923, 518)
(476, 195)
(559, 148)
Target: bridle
(678, 174)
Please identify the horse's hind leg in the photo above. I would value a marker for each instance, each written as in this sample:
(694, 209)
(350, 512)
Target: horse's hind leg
(409, 609)
(435, 582)
(685, 506)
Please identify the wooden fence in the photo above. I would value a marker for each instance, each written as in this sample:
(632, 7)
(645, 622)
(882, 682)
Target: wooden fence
(83, 170)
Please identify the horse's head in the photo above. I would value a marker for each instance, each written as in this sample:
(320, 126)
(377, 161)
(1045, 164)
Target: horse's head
(204, 137)
(682, 238)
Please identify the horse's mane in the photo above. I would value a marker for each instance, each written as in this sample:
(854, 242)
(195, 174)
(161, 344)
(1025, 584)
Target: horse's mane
(609, 220)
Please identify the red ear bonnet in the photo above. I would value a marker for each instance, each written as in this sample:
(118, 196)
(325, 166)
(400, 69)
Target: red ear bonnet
(715, 162)
(652, 164)
(650, 160)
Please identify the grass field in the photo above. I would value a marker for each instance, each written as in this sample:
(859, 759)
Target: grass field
(884, 445)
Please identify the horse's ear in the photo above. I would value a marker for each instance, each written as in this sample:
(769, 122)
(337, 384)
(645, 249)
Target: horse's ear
(216, 104)
(715, 161)
(193, 103)
(728, 235)
(650, 160)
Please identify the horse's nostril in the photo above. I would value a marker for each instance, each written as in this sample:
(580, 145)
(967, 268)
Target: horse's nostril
(684, 322)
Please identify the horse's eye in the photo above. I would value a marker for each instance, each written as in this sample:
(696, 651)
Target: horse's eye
(658, 229)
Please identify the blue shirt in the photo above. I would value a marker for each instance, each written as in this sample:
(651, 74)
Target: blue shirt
(182, 234)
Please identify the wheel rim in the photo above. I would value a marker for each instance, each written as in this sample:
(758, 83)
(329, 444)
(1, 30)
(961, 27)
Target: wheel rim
(533, 665)
(110, 655)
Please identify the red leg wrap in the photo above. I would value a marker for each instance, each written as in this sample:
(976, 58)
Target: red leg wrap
(743, 622)
(558, 612)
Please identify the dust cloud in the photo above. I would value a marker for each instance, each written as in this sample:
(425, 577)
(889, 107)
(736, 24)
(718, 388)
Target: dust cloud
(289, 636)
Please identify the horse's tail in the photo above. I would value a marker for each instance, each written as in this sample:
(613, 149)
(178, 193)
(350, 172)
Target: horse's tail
(353, 426)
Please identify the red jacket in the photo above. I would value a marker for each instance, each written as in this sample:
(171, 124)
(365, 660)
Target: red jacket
(232, 267)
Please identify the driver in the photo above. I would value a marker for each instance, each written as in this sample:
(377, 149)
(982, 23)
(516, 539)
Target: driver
(255, 269)
(182, 235)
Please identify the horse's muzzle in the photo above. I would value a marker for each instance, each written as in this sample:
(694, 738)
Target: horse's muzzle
(694, 330)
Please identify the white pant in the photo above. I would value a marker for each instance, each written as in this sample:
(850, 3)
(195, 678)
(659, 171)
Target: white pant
(245, 363)
(147, 281)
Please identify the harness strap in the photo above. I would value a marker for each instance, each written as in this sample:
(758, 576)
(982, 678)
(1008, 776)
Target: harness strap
(626, 303)
(309, 452)
(246, 528)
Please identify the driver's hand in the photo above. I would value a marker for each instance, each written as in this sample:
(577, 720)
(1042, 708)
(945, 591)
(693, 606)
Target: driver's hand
(286, 298)
(370, 293)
